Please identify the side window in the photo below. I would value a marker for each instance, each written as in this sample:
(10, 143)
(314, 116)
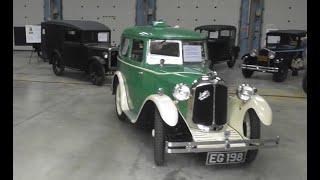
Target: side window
(225, 33)
(137, 50)
(214, 34)
(124, 47)
(72, 35)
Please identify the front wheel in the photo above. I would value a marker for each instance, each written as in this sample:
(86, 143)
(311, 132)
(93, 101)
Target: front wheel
(97, 73)
(231, 62)
(247, 73)
(159, 139)
(251, 130)
(281, 75)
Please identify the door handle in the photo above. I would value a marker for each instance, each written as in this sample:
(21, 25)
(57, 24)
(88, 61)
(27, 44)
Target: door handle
(140, 72)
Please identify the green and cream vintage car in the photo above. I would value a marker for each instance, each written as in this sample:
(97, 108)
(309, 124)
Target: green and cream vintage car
(163, 81)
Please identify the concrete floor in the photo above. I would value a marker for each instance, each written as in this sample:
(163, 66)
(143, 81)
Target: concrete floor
(66, 128)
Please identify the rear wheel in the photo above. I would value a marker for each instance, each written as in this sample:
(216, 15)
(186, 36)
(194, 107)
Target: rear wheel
(251, 130)
(97, 73)
(281, 75)
(57, 65)
(232, 61)
(159, 139)
(119, 111)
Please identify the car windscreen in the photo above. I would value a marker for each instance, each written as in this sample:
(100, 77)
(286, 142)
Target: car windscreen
(164, 48)
(95, 37)
(176, 51)
(282, 42)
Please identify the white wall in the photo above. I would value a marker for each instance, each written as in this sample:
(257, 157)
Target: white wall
(191, 13)
(284, 14)
(27, 12)
(119, 14)
(116, 14)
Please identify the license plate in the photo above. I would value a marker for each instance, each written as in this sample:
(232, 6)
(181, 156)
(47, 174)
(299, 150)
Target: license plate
(263, 58)
(225, 157)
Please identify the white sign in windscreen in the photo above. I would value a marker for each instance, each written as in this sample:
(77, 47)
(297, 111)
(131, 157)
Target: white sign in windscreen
(33, 33)
(273, 39)
(103, 37)
(192, 53)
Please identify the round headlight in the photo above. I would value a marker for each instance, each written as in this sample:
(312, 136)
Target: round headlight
(253, 53)
(105, 55)
(245, 91)
(271, 55)
(181, 92)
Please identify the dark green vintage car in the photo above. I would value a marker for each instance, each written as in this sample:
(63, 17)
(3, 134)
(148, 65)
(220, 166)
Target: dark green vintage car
(164, 82)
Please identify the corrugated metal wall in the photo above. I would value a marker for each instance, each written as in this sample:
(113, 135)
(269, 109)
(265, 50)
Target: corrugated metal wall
(27, 12)
(116, 14)
(284, 14)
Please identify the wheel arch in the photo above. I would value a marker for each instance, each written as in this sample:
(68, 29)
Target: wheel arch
(146, 119)
(95, 58)
(167, 109)
(237, 110)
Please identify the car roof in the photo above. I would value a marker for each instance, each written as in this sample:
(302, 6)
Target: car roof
(216, 27)
(288, 31)
(80, 25)
(160, 30)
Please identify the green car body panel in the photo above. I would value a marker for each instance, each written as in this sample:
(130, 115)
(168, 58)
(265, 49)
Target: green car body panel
(141, 80)
(155, 77)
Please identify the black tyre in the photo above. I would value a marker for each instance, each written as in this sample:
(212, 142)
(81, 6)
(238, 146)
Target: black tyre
(231, 62)
(159, 139)
(281, 75)
(97, 73)
(117, 98)
(251, 130)
(247, 73)
(304, 82)
(57, 65)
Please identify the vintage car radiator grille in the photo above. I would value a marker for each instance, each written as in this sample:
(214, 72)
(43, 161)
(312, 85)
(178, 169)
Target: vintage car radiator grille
(212, 109)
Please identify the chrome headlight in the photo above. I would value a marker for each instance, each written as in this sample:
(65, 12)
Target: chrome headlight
(105, 55)
(245, 92)
(181, 92)
(271, 55)
(253, 53)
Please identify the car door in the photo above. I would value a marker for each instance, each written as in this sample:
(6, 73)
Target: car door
(73, 51)
(130, 60)
(136, 73)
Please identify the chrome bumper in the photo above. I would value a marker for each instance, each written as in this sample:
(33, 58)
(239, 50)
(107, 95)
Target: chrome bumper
(260, 68)
(226, 145)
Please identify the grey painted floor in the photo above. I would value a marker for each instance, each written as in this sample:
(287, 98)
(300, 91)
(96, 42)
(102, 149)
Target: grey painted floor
(66, 128)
